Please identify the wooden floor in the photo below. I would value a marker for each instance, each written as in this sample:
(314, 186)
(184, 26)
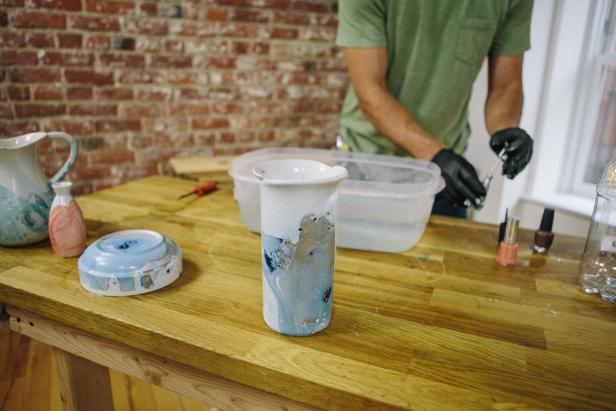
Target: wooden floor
(28, 381)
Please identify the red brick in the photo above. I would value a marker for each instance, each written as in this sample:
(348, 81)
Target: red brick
(6, 111)
(225, 137)
(137, 141)
(20, 58)
(107, 126)
(40, 40)
(88, 76)
(95, 23)
(217, 13)
(93, 110)
(68, 5)
(111, 7)
(171, 61)
(140, 76)
(18, 93)
(285, 17)
(283, 33)
(149, 9)
(139, 111)
(310, 6)
(268, 135)
(14, 3)
(174, 46)
(187, 109)
(69, 40)
(147, 26)
(79, 93)
(15, 128)
(154, 94)
(35, 75)
(115, 93)
(98, 42)
(227, 108)
(10, 40)
(76, 128)
(250, 15)
(111, 157)
(122, 60)
(217, 62)
(39, 110)
(182, 77)
(241, 30)
(41, 20)
(4, 19)
(48, 93)
(272, 4)
(210, 123)
(68, 59)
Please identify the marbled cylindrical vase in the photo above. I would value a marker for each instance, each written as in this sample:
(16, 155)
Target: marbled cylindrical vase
(298, 243)
(67, 229)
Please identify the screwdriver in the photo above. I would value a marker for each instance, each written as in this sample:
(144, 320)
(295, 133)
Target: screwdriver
(201, 190)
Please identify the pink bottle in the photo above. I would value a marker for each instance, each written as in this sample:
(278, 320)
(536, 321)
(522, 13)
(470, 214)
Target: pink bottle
(67, 230)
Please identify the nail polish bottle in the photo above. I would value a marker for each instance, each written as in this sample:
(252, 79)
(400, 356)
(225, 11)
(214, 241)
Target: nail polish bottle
(508, 248)
(544, 235)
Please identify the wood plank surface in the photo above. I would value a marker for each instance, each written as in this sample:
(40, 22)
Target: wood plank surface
(76, 350)
(28, 381)
(442, 326)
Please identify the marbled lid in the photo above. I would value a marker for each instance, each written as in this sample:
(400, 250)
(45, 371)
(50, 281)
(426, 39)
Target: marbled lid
(123, 252)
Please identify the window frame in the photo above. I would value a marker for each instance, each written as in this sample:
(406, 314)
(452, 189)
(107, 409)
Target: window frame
(600, 54)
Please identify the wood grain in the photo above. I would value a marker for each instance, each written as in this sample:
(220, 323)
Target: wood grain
(439, 327)
(84, 385)
(203, 168)
(28, 381)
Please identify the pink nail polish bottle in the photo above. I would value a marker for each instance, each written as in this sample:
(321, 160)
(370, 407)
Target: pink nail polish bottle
(67, 230)
(508, 248)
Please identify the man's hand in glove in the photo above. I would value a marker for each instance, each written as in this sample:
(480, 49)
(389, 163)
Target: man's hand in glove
(460, 177)
(518, 149)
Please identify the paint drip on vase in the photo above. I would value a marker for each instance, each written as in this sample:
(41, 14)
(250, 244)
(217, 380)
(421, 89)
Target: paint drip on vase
(298, 277)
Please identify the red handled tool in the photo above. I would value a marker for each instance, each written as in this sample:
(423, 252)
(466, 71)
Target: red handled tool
(201, 190)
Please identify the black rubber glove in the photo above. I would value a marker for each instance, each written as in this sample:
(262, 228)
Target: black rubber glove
(518, 149)
(460, 178)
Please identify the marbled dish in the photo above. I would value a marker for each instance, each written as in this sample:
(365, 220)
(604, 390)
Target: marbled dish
(130, 262)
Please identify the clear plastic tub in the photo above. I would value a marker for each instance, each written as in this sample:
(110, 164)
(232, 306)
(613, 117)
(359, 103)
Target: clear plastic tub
(384, 205)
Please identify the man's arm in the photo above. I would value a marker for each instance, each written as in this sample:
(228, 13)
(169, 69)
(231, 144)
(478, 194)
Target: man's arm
(503, 110)
(368, 68)
(503, 107)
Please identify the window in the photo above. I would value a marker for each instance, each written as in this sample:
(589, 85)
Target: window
(594, 139)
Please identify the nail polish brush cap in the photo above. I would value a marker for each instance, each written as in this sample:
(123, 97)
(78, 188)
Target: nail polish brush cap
(547, 221)
(511, 230)
(501, 228)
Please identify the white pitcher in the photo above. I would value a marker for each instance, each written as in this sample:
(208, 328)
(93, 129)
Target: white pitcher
(298, 243)
(25, 192)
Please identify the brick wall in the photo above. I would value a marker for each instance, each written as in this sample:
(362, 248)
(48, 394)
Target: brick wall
(138, 82)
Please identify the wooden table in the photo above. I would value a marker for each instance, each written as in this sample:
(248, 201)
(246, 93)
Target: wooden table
(440, 327)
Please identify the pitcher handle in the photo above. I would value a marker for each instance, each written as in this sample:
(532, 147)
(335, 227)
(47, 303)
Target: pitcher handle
(72, 156)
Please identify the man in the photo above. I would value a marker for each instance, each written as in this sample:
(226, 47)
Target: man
(412, 65)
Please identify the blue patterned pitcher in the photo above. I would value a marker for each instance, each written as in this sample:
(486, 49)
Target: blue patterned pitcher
(25, 192)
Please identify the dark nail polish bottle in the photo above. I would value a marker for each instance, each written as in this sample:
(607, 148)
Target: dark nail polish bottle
(544, 236)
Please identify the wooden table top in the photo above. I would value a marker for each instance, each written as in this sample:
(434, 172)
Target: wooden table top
(440, 327)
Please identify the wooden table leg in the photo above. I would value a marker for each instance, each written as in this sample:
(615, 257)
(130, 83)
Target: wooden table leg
(84, 385)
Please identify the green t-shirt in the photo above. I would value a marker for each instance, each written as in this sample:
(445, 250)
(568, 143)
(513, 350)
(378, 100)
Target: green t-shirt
(435, 49)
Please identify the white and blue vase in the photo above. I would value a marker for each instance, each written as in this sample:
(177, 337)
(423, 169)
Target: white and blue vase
(25, 193)
(298, 200)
